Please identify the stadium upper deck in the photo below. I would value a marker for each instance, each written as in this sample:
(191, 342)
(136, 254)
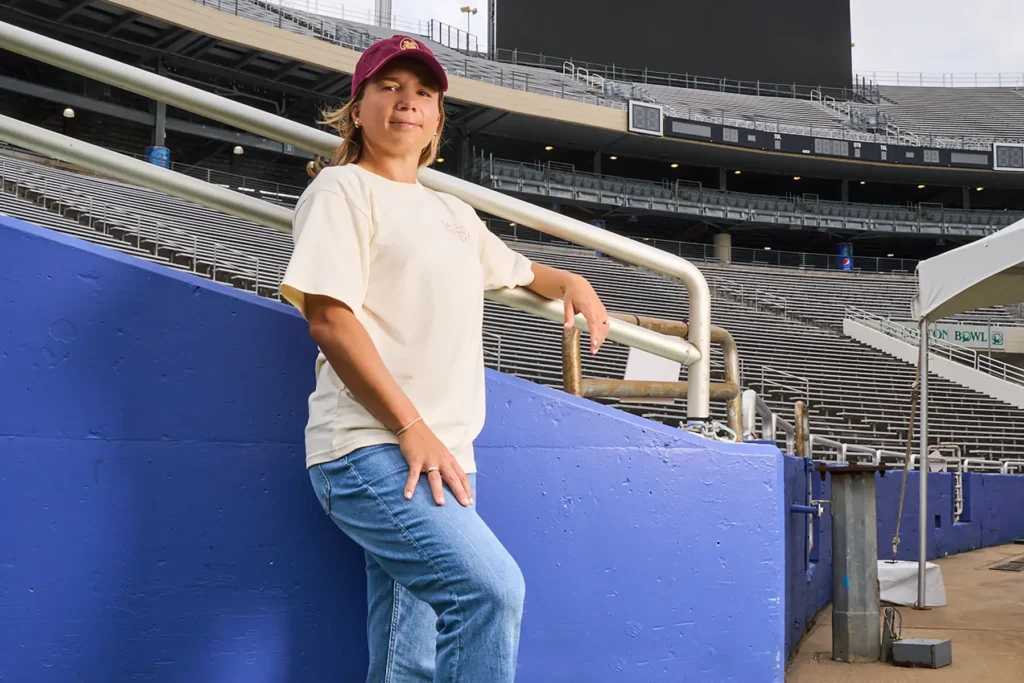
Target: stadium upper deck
(971, 118)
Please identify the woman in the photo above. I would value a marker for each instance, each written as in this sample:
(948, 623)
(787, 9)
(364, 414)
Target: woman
(390, 277)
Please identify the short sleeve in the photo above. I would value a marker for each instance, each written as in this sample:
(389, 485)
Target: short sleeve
(332, 250)
(502, 267)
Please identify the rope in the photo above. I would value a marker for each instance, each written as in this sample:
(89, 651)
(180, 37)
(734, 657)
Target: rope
(906, 462)
(893, 623)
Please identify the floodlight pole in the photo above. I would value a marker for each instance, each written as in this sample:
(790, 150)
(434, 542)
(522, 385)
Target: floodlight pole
(922, 521)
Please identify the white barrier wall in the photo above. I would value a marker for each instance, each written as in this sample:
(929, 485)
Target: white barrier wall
(943, 367)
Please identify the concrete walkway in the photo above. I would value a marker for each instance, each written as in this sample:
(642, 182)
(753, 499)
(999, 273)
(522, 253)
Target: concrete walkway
(984, 619)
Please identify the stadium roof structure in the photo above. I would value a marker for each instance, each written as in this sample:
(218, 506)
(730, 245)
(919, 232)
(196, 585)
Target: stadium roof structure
(987, 272)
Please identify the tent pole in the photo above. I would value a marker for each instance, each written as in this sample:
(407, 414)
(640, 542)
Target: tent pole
(922, 522)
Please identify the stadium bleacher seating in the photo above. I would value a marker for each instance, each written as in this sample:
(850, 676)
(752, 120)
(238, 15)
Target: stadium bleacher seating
(789, 345)
(940, 117)
(977, 112)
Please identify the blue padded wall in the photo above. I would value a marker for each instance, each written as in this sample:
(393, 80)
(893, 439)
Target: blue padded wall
(159, 525)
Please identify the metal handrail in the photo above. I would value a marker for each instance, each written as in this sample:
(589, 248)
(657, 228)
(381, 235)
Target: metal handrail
(939, 347)
(1007, 464)
(500, 169)
(947, 80)
(233, 113)
(492, 336)
(765, 381)
(753, 406)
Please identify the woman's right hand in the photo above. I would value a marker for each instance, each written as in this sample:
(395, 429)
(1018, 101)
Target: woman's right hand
(427, 455)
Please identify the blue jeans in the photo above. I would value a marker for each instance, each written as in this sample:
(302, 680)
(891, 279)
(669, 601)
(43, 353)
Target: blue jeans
(445, 599)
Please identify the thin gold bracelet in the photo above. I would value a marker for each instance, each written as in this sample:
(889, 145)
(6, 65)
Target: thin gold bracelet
(402, 430)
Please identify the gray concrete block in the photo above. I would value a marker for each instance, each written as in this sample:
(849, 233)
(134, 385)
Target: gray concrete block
(922, 652)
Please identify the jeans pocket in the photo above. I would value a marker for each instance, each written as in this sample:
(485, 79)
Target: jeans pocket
(321, 487)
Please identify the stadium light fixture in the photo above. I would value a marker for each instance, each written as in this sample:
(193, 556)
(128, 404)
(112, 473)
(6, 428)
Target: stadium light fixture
(863, 182)
(469, 12)
(548, 148)
(979, 189)
(674, 165)
(737, 172)
(767, 248)
(613, 157)
(796, 177)
(890, 255)
(921, 187)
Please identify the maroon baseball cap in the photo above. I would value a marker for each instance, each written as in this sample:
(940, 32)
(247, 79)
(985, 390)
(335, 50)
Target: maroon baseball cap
(384, 51)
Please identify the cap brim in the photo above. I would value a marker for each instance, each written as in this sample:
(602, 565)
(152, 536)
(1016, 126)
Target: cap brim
(427, 60)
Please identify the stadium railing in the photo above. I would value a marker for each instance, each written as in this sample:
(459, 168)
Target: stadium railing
(556, 179)
(698, 251)
(1013, 79)
(685, 80)
(939, 347)
(695, 354)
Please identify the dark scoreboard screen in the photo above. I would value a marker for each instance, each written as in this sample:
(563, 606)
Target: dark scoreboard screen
(804, 42)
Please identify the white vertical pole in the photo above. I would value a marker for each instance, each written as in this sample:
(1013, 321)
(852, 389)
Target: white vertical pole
(922, 552)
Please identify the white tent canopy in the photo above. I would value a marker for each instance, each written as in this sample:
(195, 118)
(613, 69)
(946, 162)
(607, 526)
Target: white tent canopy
(988, 272)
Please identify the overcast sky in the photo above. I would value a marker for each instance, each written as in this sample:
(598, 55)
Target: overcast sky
(939, 36)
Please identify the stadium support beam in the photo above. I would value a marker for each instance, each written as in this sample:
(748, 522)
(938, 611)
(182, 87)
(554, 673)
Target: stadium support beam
(696, 354)
(160, 127)
(71, 11)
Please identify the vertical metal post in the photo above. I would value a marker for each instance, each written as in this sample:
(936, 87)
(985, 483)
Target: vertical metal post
(922, 514)
(160, 117)
(800, 420)
(572, 370)
(856, 626)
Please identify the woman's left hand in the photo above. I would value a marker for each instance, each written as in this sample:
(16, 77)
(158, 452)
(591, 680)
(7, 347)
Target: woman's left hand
(579, 297)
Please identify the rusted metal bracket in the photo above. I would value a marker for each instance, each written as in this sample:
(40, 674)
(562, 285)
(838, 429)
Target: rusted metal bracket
(574, 383)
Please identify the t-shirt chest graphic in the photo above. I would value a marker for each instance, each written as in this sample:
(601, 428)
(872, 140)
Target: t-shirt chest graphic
(425, 241)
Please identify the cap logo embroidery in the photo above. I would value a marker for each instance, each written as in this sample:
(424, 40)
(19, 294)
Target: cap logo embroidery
(409, 44)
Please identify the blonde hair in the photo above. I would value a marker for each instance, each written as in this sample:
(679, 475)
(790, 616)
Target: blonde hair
(343, 122)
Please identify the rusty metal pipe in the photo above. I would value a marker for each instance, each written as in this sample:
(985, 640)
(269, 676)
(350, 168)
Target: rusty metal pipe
(719, 335)
(633, 388)
(728, 391)
(800, 418)
(572, 369)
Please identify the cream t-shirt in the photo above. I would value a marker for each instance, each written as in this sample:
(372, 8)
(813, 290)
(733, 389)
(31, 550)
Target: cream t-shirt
(413, 265)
